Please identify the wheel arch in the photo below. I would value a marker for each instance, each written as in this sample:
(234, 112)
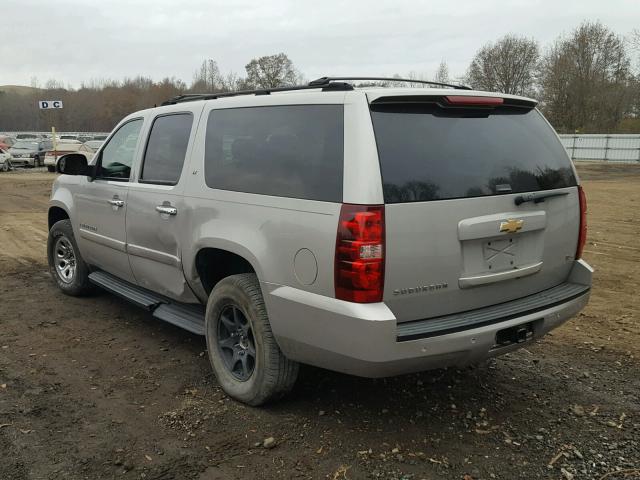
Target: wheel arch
(214, 262)
(55, 214)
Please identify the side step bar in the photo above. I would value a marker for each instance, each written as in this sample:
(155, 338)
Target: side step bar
(187, 316)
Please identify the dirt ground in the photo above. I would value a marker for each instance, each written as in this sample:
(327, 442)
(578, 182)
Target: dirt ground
(95, 388)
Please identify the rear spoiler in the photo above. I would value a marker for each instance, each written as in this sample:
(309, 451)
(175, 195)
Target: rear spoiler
(457, 101)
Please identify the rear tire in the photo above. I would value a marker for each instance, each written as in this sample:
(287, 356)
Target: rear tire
(51, 168)
(67, 268)
(237, 330)
(36, 162)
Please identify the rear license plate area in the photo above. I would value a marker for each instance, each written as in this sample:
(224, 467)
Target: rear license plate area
(514, 335)
(500, 254)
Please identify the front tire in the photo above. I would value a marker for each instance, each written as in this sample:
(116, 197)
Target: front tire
(243, 351)
(67, 268)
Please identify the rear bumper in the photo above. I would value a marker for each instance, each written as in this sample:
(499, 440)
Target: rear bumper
(362, 339)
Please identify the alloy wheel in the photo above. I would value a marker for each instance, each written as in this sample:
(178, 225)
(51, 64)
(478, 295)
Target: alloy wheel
(65, 259)
(236, 342)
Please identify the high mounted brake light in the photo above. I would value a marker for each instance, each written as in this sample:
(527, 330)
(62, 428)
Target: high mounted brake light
(582, 235)
(473, 101)
(359, 255)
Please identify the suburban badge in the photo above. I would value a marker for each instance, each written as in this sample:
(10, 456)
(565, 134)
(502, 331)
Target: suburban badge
(420, 288)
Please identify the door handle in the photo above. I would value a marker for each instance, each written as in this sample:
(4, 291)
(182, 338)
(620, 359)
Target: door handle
(116, 203)
(166, 209)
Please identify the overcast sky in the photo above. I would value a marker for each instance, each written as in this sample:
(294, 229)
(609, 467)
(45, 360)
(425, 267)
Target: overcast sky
(79, 40)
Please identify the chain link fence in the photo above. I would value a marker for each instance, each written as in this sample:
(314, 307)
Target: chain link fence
(600, 147)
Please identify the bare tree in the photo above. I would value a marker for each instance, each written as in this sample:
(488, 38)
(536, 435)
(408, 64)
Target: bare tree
(586, 80)
(442, 74)
(634, 40)
(271, 71)
(207, 78)
(507, 66)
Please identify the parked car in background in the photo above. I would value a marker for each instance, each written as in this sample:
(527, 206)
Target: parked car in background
(27, 136)
(84, 138)
(30, 153)
(94, 144)
(68, 137)
(5, 160)
(100, 137)
(6, 142)
(62, 148)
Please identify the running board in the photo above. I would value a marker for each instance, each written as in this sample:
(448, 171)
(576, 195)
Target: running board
(187, 316)
(136, 295)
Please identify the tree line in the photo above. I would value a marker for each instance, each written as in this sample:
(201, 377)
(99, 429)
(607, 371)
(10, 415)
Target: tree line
(585, 82)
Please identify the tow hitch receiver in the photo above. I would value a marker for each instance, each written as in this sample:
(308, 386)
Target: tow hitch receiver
(517, 334)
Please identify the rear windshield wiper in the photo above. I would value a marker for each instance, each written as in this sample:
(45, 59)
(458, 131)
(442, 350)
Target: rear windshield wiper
(537, 197)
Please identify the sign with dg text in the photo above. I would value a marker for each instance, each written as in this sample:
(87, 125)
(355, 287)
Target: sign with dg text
(47, 104)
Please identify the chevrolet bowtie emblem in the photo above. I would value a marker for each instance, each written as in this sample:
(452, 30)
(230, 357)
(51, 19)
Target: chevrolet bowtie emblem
(511, 225)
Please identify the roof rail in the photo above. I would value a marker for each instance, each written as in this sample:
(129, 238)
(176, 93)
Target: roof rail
(323, 81)
(191, 97)
(326, 83)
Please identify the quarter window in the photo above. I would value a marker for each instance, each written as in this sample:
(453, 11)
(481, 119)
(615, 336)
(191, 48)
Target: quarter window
(117, 155)
(166, 149)
(286, 151)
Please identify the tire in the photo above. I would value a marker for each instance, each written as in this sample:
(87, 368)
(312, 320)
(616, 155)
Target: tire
(36, 162)
(6, 166)
(62, 252)
(51, 168)
(271, 375)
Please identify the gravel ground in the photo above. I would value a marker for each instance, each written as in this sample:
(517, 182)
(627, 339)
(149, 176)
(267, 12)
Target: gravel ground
(95, 388)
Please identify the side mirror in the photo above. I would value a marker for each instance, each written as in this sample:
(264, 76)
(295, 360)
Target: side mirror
(73, 164)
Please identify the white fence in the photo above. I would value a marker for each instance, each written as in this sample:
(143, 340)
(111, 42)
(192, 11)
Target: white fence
(608, 148)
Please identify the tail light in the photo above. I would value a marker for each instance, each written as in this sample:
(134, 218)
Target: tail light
(582, 235)
(359, 256)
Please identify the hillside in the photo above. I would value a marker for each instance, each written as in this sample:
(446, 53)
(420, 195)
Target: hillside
(19, 89)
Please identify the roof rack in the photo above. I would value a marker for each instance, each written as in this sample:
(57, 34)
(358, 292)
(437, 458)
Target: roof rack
(325, 83)
(191, 97)
(327, 80)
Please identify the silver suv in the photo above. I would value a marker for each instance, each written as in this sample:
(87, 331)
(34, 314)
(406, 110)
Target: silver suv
(371, 231)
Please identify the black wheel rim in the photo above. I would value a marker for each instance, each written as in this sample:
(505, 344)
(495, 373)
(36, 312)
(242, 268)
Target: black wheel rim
(236, 342)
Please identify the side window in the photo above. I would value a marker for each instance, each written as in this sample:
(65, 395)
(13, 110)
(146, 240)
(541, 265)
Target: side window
(286, 151)
(166, 149)
(117, 156)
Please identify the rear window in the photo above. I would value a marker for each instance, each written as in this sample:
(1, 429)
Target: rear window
(286, 151)
(431, 153)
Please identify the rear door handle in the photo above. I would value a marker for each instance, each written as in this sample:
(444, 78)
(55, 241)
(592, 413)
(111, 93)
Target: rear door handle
(116, 203)
(167, 209)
